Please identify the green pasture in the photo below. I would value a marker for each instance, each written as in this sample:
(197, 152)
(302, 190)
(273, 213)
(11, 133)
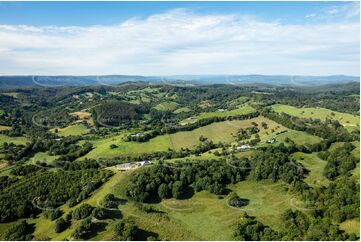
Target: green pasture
(316, 167)
(219, 113)
(16, 140)
(74, 129)
(167, 106)
(217, 132)
(318, 113)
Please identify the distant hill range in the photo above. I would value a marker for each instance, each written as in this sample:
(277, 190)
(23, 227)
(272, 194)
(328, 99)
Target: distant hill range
(11, 82)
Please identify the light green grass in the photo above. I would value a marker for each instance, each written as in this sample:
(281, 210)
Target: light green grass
(74, 129)
(238, 101)
(318, 113)
(316, 167)
(351, 226)
(299, 137)
(217, 132)
(16, 140)
(145, 90)
(167, 106)
(206, 217)
(182, 110)
(239, 111)
(268, 200)
(43, 157)
(202, 217)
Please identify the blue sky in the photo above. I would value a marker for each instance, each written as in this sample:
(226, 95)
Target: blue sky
(93, 13)
(163, 38)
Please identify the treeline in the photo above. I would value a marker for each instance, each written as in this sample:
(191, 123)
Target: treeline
(170, 129)
(249, 229)
(335, 97)
(117, 113)
(297, 226)
(331, 130)
(340, 161)
(27, 197)
(66, 147)
(274, 162)
(328, 206)
(174, 180)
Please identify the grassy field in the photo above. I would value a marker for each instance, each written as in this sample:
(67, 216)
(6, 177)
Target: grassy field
(298, 137)
(351, 226)
(74, 129)
(167, 106)
(224, 113)
(81, 115)
(318, 113)
(182, 110)
(315, 165)
(204, 216)
(16, 140)
(268, 201)
(3, 127)
(42, 156)
(103, 229)
(220, 131)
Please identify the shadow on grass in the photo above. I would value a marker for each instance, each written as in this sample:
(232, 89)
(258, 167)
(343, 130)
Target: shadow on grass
(187, 193)
(143, 235)
(95, 229)
(113, 214)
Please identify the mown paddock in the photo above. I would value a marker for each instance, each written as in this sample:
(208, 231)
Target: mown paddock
(167, 106)
(170, 229)
(316, 167)
(16, 140)
(43, 157)
(318, 113)
(217, 132)
(299, 137)
(182, 110)
(73, 129)
(202, 217)
(82, 115)
(206, 217)
(225, 113)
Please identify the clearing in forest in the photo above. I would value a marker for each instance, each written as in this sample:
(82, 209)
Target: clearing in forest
(345, 119)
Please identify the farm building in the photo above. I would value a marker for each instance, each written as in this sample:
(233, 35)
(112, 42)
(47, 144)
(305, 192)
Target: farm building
(132, 166)
(271, 141)
(243, 148)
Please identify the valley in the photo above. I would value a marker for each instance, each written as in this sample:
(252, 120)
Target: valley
(224, 160)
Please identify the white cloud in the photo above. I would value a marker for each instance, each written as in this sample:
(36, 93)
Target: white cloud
(346, 11)
(179, 42)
